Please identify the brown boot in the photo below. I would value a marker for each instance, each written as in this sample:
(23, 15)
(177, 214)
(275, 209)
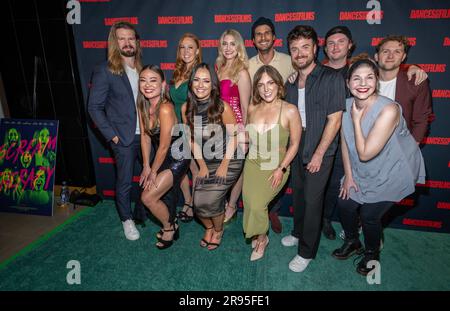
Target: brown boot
(275, 222)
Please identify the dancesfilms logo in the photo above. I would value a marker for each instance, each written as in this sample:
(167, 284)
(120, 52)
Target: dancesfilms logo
(167, 66)
(153, 43)
(359, 15)
(295, 16)
(209, 43)
(432, 14)
(109, 193)
(144, 44)
(433, 67)
(406, 202)
(106, 160)
(95, 44)
(411, 41)
(233, 18)
(422, 223)
(441, 93)
(436, 141)
(435, 184)
(175, 20)
(112, 20)
(446, 41)
(443, 205)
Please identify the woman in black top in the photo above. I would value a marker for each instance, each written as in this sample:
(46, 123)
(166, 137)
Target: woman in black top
(157, 121)
(214, 143)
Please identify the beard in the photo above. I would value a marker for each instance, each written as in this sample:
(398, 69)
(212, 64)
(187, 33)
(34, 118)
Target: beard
(265, 49)
(129, 53)
(305, 65)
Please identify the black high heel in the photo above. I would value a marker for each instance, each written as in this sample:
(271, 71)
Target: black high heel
(219, 240)
(168, 243)
(183, 216)
(161, 231)
(203, 242)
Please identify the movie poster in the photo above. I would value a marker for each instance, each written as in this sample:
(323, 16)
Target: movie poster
(27, 165)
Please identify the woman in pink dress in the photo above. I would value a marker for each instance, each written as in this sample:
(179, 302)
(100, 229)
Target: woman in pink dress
(235, 89)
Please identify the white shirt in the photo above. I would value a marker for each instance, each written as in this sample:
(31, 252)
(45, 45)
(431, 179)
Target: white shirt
(301, 106)
(387, 88)
(133, 77)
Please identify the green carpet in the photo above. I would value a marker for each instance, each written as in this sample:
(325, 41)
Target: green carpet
(410, 260)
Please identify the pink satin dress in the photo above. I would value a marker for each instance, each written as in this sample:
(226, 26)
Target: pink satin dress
(229, 93)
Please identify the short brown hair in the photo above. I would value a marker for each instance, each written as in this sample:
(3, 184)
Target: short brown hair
(272, 73)
(302, 32)
(401, 39)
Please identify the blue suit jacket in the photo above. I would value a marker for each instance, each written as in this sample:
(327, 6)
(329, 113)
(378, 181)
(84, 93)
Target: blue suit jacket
(111, 105)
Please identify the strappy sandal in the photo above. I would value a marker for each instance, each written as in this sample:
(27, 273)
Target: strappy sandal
(203, 242)
(215, 245)
(168, 243)
(183, 216)
(160, 233)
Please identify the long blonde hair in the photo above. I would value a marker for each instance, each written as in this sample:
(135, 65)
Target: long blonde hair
(241, 60)
(115, 63)
(143, 103)
(181, 72)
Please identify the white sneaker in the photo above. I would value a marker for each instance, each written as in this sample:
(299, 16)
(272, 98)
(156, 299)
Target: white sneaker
(289, 240)
(131, 233)
(298, 264)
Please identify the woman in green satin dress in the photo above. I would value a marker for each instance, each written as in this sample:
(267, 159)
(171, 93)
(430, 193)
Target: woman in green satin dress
(189, 54)
(272, 123)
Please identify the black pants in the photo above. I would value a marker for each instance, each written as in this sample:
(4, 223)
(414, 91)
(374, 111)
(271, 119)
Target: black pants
(333, 187)
(370, 215)
(308, 196)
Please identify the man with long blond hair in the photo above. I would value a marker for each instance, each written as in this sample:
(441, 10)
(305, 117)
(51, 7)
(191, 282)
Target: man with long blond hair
(112, 106)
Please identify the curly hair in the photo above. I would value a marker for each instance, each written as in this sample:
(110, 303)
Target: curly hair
(400, 39)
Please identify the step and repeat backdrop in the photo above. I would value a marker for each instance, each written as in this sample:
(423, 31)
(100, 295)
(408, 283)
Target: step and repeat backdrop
(161, 23)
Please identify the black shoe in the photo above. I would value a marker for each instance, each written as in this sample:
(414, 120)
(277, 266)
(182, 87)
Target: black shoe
(328, 230)
(362, 268)
(183, 216)
(168, 243)
(347, 250)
